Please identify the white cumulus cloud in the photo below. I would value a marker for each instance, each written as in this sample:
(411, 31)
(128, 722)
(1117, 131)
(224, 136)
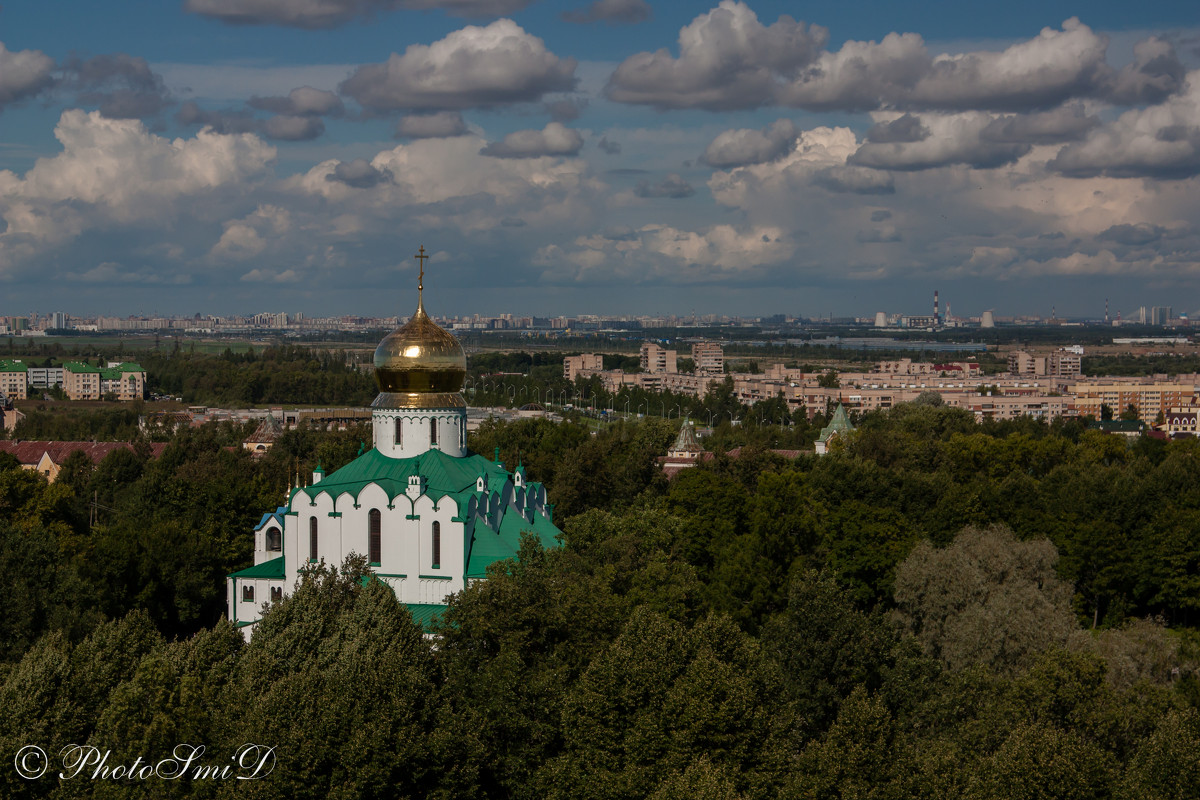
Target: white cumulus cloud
(472, 67)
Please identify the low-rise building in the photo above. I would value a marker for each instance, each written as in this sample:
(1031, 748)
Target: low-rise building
(47, 458)
(81, 381)
(14, 380)
(264, 436)
(1181, 421)
(839, 425)
(126, 380)
(45, 377)
(9, 417)
(684, 453)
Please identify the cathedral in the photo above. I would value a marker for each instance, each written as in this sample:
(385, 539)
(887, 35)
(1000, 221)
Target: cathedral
(429, 515)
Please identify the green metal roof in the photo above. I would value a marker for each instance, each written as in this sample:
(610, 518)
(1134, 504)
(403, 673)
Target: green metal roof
(486, 546)
(12, 366)
(839, 424)
(425, 614)
(445, 474)
(77, 367)
(267, 569)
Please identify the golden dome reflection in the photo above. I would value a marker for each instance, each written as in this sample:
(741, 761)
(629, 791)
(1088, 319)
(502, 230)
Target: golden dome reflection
(419, 358)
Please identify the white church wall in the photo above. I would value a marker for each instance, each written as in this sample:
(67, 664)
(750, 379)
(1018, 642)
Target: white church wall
(416, 428)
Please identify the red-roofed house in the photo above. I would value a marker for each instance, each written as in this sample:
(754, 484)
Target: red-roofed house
(47, 457)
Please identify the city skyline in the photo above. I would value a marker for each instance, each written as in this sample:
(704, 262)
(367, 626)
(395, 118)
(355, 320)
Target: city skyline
(616, 158)
(943, 317)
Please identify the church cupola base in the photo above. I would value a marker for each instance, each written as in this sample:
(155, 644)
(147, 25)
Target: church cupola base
(407, 431)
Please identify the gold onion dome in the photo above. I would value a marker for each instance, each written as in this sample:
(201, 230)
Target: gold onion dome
(420, 365)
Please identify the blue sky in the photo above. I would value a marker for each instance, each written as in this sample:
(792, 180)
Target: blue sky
(622, 156)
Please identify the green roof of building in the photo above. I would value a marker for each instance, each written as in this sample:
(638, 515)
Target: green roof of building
(120, 371)
(486, 546)
(425, 614)
(444, 474)
(77, 367)
(272, 569)
(12, 366)
(839, 424)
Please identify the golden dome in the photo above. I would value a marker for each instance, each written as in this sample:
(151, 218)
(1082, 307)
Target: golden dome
(420, 360)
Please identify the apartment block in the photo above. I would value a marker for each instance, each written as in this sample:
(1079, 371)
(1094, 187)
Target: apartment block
(1150, 399)
(14, 381)
(709, 358)
(656, 360)
(45, 377)
(953, 369)
(1061, 364)
(573, 366)
(81, 381)
(125, 380)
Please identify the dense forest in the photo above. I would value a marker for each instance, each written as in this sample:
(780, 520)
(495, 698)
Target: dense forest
(269, 375)
(936, 609)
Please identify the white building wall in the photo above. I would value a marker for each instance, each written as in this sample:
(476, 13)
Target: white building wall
(416, 431)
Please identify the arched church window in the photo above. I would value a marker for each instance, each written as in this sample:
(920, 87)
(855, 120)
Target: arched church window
(274, 540)
(399, 435)
(374, 537)
(312, 538)
(432, 432)
(437, 544)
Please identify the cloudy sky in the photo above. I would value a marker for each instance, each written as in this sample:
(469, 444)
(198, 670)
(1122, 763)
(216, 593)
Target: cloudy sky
(616, 156)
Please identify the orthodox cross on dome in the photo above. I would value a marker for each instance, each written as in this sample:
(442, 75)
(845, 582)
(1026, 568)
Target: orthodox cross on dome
(420, 257)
